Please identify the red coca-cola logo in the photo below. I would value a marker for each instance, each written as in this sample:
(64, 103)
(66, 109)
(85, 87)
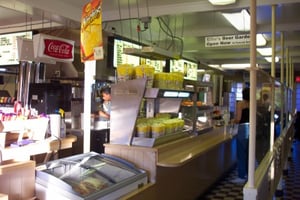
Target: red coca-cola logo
(58, 49)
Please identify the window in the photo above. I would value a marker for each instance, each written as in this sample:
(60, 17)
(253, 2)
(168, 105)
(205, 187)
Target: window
(238, 90)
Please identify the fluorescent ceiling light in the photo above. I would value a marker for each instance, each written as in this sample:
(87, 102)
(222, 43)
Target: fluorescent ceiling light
(215, 66)
(200, 70)
(232, 66)
(221, 2)
(260, 40)
(269, 59)
(3, 69)
(265, 51)
(235, 66)
(240, 20)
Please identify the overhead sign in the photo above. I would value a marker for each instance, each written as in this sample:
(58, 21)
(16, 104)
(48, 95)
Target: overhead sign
(9, 49)
(227, 40)
(58, 49)
(48, 48)
(25, 49)
(189, 69)
(91, 42)
(122, 58)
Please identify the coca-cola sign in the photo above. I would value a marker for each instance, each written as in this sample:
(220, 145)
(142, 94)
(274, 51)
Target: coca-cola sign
(58, 49)
(51, 49)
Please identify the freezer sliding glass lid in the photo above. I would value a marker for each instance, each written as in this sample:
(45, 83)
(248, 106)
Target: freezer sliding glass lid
(88, 173)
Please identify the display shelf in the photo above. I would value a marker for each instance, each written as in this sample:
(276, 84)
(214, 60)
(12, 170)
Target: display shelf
(197, 118)
(197, 112)
(152, 142)
(35, 129)
(6, 108)
(127, 98)
(49, 146)
(36, 125)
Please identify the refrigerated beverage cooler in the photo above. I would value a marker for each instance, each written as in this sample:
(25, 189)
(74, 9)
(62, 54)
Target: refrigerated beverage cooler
(88, 176)
(48, 97)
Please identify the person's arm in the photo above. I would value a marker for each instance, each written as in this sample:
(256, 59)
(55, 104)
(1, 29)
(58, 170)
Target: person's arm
(104, 111)
(104, 114)
(238, 113)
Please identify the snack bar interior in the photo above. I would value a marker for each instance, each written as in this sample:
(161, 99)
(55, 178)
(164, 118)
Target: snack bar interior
(90, 114)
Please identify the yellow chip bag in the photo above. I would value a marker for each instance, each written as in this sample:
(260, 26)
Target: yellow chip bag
(91, 43)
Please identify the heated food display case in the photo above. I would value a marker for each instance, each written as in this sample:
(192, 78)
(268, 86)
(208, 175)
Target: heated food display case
(197, 110)
(88, 176)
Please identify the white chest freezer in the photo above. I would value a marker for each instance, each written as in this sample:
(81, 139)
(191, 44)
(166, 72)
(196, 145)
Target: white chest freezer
(88, 176)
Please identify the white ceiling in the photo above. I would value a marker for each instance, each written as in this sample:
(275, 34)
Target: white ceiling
(172, 22)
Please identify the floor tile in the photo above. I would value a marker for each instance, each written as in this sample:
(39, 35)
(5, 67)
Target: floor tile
(226, 190)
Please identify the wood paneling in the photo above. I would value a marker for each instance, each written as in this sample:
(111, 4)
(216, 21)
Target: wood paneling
(189, 165)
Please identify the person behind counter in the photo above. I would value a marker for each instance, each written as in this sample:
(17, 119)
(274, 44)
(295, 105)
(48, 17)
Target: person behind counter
(242, 119)
(104, 112)
(263, 121)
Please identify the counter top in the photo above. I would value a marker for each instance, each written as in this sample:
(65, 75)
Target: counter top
(193, 163)
(184, 150)
(178, 152)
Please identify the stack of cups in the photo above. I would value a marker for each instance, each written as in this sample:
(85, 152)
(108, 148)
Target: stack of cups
(55, 122)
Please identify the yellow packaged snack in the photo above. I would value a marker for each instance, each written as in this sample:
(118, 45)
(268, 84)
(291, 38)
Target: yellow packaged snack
(157, 130)
(91, 41)
(145, 71)
(125, 72)
(143, 130)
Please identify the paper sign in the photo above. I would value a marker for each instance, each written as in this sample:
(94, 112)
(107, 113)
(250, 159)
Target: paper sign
(227, 40)
(91, 42)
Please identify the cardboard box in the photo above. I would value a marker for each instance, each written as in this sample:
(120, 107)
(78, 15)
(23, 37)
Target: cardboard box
(17, 179)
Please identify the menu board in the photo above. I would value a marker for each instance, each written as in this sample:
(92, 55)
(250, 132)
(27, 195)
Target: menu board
(157, 64)
(120, 57)
(188, 68)
(9, 47)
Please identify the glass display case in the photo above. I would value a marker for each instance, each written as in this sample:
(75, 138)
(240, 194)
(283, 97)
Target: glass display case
(197, 119)
(198, 110)
(88, 176)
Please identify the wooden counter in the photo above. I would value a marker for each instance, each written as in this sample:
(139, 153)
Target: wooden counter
(50, 146)
(189, 165)
(181, 152)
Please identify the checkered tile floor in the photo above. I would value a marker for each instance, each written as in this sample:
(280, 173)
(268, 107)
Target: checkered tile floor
(291, 181)
(226, 190)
